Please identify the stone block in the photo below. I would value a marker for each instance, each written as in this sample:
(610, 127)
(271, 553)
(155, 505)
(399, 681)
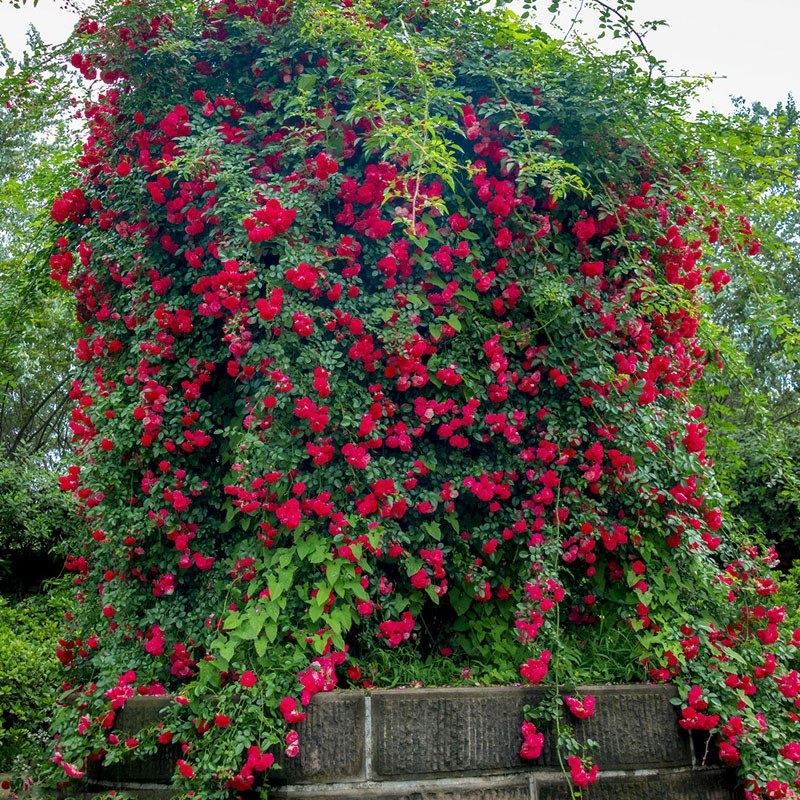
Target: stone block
(139, 712)
(690, 784)
(497, 788)
(434, 732)
(427, 732)
(332, 741)
(155, 768)
(636, 726)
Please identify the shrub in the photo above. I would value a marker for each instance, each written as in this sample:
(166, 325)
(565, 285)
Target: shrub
(38, 525)
(391, 315)
(29, 675)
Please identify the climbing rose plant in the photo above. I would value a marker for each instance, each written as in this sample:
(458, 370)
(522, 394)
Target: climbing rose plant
(391, 316)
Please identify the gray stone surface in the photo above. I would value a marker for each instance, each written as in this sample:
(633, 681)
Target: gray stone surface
(698, 784)
(453, 744)
(332, 741)
(427, 732)
(157, 768)
(497, 788)
(139, 712)
(636, 727)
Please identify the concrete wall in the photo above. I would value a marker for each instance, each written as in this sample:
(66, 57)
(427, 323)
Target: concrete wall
(460, 744)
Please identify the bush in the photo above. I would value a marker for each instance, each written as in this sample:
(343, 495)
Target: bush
(392, 312)
(766, 490)
(29, 675)
(38, 525)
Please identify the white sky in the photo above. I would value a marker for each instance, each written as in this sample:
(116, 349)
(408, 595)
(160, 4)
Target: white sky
(753, 48)
(52, 20)
(754, 45)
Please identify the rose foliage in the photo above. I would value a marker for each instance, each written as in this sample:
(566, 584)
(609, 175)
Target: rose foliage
(391, 314)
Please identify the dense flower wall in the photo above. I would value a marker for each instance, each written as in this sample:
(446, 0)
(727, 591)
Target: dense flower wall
(391, 322)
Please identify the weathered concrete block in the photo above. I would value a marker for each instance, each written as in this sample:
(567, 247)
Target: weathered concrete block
(691, 784)
(138, 713)
(332, 741)
(636, 727)
(429, 732)
(426, 732)
(156, 768)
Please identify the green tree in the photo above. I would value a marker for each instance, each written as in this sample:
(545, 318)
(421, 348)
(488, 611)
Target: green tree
(37, 148)
(37, 323)
(37, 521)
(755, 400)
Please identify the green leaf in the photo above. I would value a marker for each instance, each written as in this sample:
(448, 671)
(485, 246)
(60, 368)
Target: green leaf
(306, 81)
(270, 631)
(459, 601)
(232, 620)
(433, 529)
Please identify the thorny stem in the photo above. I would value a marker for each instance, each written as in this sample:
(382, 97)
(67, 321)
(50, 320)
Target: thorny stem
(627, 25)
(425, 128)
(575, 794)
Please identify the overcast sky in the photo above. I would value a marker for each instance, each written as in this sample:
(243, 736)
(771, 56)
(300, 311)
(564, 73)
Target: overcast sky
(750, 47)
(753, 47)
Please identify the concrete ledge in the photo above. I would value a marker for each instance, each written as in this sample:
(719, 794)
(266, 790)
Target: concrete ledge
(155, 769)
(689, 784)
(498, 787)
(699, 783)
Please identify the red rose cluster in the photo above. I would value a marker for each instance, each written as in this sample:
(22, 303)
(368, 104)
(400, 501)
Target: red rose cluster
(342, 388)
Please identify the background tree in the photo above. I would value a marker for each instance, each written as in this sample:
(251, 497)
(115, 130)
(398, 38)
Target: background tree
(37, 150)
(755, 400)
(37, 521)
(37, 322)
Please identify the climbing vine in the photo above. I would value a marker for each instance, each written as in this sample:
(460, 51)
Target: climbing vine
(391, 315)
